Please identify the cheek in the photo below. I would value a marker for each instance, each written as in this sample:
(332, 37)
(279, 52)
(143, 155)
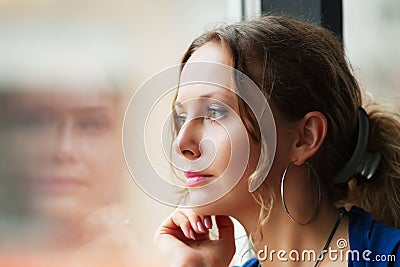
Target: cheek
(224, 149)
(29, 143)
(236, 157)
(27, 153)
(103, 155)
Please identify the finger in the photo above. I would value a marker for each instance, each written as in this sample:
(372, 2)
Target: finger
(176, 225)
(182, 221)
(196, 221)
(169, 228)
(207, 222)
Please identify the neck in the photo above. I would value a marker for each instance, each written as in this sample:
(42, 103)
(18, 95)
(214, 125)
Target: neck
(281, 233)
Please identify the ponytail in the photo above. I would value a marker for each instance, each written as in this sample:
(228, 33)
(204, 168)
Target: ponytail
(381, 194)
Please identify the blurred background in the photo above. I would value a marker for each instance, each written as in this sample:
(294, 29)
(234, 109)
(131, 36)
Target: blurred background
(67, 72)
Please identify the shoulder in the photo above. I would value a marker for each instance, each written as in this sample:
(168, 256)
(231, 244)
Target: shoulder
(373, 238)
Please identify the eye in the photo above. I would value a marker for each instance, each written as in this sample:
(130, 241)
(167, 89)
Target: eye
(92, 124)
(216, 112)
(179, 121)
(33, 120)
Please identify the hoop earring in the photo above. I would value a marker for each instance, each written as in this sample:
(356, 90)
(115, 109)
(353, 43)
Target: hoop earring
(283, 194)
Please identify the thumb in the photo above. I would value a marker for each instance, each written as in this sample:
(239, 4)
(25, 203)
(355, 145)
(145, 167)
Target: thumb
(225, 228)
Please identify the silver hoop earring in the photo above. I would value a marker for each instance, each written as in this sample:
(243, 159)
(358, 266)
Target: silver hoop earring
(283, 194)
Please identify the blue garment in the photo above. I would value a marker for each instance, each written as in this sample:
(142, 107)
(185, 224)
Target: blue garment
(379, 243)
(251, 263)
(367, 235)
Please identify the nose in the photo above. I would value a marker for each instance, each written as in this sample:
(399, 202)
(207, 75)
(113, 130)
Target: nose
(189, 137)
(64, 147)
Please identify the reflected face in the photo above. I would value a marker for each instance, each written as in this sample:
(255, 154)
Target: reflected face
(67, 149)
(212, 138)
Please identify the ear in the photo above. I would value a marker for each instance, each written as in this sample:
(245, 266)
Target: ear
(312, 129)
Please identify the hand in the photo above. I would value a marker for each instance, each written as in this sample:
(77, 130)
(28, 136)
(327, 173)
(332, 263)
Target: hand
(183, 239)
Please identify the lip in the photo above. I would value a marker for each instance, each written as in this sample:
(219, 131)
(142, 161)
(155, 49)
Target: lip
(195, 179)
(59, 184)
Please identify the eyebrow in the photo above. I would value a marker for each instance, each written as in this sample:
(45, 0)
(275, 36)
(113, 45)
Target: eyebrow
(209, 95)
(74, 110)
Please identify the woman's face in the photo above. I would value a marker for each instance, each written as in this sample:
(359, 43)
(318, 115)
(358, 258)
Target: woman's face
(213, 140)
(66, 150)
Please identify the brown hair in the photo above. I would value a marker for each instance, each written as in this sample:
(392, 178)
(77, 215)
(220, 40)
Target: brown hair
(300, 67)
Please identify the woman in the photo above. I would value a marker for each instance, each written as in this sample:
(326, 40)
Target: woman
(330, 153)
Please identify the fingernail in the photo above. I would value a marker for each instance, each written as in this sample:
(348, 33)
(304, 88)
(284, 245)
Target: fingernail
(200, 227)
(207, 222)
(191, 233)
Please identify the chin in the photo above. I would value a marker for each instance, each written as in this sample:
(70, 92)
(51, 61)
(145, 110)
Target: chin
(61, 209)
(217, 207)
(231, 204)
